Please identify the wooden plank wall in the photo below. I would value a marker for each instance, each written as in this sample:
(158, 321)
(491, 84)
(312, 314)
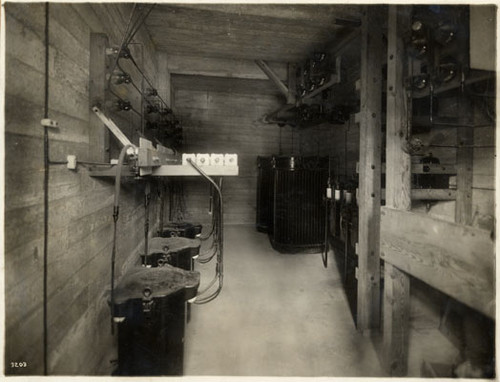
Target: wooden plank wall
(224, 115)
(483, 175)
(80, 217)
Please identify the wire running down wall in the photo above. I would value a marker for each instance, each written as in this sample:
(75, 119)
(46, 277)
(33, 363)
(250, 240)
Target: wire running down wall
(80, 207)
(224, 115)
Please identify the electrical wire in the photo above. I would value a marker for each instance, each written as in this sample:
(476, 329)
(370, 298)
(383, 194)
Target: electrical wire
(219, 226)
(121, 44)
(127, 36)
(138, 25)
(46, 196)
(162, 191)
(212, 229)
(116, 212)
(123, 100)
(149, 82)
(147, 200)
(210, 285)
(143, 96)
(206, 257)
(209, 234)
(324, 253)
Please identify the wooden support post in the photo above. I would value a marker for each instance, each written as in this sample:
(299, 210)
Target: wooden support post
(465, 137)
(98, 133)
(368, 310)
(398, 191)
(396, 320)
(273, 77)
(292, 84)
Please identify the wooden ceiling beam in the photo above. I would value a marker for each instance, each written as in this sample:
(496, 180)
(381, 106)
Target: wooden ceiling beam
(284, 33)
(316, 15)
(273, 77)
(234, 51)
(222, 67)
(223, 85)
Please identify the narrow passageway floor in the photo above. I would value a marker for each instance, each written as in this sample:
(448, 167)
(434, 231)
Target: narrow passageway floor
(278, 315)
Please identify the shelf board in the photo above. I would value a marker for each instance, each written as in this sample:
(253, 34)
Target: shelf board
(454, 84)
(166, 170)
(187, 170)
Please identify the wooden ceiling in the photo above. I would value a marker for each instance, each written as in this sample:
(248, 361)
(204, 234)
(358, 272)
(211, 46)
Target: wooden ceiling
(272, 32)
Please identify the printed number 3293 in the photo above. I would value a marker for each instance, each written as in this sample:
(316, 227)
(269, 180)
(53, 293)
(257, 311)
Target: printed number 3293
(18, 364)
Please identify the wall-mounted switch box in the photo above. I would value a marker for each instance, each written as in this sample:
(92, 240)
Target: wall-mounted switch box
(185, 158)
(71, 162)
(231, 160)
(216, 159)
(203, 159)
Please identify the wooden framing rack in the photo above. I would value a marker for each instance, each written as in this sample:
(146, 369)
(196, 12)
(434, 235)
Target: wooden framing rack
(453, 258)
(150, 161)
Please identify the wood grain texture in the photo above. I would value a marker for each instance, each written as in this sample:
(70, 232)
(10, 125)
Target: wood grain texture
(465, 156)
(368, 303)
(213, 31)
(164, 77)
(80, 213)
(462, 267)
(323, 14)
(396, 307)
(222, 115)
(221, 67)
(396, 312)
(98, 135)
(223, 85)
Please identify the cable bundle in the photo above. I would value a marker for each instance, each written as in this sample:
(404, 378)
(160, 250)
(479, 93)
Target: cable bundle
(217, 244)
(163, 118)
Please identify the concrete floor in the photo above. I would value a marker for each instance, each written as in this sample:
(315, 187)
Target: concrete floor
(278, 315)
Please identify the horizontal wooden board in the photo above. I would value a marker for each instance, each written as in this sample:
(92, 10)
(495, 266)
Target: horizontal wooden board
(249, 104)
(486, 182)
(483, 201)
(63, 99)
(484, 135)
(314, 14)
(218, 67)
(17, 121)
(32, 15)
(455, 259)
(223, 84)
(215, 33)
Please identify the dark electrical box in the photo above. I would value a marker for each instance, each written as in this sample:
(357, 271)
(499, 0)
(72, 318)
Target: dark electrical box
(298, 205)
(180, 229)
(265, 182)
(149, 305)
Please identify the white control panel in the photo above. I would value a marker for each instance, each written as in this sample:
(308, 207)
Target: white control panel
(206, 159)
